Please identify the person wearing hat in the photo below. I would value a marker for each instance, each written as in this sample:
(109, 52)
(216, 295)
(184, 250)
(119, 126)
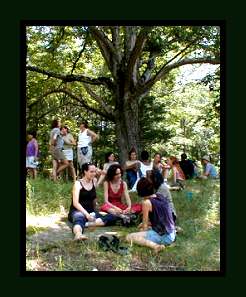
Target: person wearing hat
(209, 169)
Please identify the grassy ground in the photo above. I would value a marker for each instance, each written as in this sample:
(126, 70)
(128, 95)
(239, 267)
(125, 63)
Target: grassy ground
(197, 248)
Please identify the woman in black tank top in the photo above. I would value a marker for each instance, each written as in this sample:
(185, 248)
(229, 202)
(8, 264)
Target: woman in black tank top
(83, 207)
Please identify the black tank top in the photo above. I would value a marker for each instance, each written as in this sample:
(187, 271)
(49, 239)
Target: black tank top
(86, 198)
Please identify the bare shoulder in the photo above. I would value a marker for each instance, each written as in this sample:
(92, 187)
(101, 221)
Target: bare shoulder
(124, 184)
(146, 202)
(91, 133)
(77, 184)
(95, 182)
(105, 184)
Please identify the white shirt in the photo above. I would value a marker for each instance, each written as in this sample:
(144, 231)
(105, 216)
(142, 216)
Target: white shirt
(83, 138)
(145, 168)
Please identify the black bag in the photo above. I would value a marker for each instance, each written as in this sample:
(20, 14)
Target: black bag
(112, 243)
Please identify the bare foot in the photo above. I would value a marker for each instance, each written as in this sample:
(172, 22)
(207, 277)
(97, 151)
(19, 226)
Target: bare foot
(179, 229)
(80, 237)
(158, 248)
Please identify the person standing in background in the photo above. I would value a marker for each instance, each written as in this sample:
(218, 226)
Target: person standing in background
(56, 148)
(69, 142)
(84, 145)
(32, 154)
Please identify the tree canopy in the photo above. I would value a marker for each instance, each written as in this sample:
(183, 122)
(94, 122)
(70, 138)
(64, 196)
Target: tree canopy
(112, 75)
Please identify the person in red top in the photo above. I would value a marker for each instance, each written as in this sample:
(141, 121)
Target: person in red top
(177, 177)
(114, 190)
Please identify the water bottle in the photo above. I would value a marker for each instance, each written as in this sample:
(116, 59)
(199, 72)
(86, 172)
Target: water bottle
(189, 196)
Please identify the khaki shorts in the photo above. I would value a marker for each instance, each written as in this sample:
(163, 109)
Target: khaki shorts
(57, 154)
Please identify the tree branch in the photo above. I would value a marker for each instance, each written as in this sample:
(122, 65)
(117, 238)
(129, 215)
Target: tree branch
(129, 41)
(167, 66)
(187, 61)
(136, 52)
(80, 53)
(150, 66)
(115, 31)
(98, 99)
(106, 48)
(71, 77)
(81, 101)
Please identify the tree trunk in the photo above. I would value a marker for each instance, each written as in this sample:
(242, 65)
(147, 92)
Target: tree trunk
(127, 127)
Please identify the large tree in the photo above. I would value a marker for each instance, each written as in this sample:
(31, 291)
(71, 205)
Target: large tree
(110, 70)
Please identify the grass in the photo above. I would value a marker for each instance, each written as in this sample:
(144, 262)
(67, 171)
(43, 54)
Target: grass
(196, 249)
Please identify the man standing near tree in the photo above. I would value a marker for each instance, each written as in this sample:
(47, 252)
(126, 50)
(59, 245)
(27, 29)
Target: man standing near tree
(84, 147)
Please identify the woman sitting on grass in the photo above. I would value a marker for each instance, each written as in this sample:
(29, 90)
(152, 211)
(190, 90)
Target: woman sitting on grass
(114, 190)
(157, 210)
(109, 160)
(132, 167)
(83, 206)
(177, 175)
(160, 187)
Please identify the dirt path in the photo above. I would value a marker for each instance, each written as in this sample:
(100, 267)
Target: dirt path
(51, 229)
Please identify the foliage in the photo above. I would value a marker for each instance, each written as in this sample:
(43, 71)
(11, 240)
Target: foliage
(106, 74)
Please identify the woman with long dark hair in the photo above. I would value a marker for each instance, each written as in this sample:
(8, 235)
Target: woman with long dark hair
(83, 207)
(115, 189)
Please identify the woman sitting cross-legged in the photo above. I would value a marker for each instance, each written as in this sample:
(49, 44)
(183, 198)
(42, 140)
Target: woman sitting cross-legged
(83, 206)
(160, 187)
(157, 210)
(114, 190)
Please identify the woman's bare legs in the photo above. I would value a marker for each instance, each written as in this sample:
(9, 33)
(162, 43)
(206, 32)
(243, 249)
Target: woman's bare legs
(77, 230)
(54, 169)
(65, 164)
(72, 170)
(139, 238)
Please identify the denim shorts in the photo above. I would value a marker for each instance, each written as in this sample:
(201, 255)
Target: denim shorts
(166, 238)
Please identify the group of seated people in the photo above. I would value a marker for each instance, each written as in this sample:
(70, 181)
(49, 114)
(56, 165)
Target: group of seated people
(135, 169)
(148, 178)
(157, 208)
(171, 168)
